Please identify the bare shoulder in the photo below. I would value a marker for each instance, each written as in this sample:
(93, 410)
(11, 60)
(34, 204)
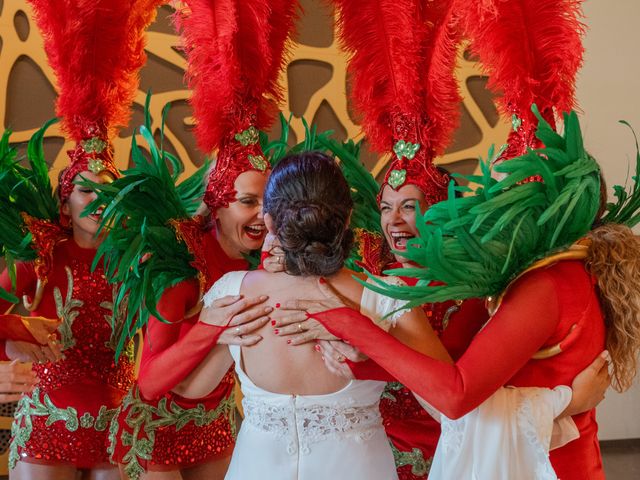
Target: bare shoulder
(346, 285)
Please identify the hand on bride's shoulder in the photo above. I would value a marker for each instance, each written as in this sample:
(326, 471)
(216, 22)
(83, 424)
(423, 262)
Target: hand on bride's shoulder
(240, 317)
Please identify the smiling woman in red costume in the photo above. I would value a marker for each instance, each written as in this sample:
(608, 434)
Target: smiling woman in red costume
(60, 429)
(548, 321)
(234, 51)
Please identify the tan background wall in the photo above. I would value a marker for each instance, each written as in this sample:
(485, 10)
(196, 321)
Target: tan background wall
(316, 80)
(608, 90)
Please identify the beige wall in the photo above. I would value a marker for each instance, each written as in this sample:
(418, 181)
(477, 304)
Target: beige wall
(608, 90)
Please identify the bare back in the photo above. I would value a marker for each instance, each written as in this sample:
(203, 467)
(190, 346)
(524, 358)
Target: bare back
(276, 366)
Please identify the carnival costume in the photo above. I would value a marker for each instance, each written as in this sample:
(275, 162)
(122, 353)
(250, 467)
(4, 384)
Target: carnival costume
(65, 419)
(402, 63)
(515, 243)
(234, 53)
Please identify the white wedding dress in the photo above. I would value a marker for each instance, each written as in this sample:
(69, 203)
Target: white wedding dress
(337, 436)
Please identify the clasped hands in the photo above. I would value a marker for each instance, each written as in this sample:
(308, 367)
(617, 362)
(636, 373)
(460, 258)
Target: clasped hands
(47, 348)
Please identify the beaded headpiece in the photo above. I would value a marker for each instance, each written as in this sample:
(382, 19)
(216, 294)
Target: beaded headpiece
(234, 55)
(403, 84)
(96, 50)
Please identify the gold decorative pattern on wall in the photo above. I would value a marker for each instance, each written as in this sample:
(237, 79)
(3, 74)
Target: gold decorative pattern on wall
(315, 80)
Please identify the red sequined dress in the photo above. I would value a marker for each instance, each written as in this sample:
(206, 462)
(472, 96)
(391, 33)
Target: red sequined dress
(414, 433)
(156, 428)
(65, 420)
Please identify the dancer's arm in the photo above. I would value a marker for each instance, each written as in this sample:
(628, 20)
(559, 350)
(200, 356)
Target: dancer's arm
(28, 332)
(173, 350)
(528, 316)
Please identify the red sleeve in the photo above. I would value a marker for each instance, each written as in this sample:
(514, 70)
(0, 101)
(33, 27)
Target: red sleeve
(463, 326)
(172, 350)
(3, 351)
(369, 370)
(528, 316)
(25, 283)
(11, 326)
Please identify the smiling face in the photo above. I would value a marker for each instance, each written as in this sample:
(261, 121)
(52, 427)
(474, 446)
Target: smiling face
(240, 226)
(84, 228)
(398, 216)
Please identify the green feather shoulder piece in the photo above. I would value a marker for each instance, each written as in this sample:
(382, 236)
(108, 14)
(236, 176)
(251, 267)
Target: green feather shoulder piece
(29, 213)
(476, 245)
(141, 250)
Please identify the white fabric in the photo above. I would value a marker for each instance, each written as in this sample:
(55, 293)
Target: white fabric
(338, 436)
(507, 437)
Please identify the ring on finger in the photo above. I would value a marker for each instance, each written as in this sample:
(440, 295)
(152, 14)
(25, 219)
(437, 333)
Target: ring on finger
(237, 330)
(341, 358)
(299, 327)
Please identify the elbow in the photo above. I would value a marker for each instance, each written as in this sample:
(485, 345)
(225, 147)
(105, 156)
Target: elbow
(457, 406)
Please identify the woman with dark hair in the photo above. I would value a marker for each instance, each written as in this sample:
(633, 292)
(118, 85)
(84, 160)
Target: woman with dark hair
(300, 419)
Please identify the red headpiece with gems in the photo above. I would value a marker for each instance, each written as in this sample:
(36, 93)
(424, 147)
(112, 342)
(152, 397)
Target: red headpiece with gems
(96, 50)
(403, 84)
(234, 55)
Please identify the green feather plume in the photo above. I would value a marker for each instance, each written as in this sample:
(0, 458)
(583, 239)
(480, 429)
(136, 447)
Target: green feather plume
(140, 250)
(23, 190)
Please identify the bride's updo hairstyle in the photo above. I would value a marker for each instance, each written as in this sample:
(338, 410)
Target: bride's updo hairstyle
(310, 203)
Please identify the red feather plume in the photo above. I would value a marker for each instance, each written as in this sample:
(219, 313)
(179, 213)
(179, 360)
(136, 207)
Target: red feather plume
(384, 39)
(234, 51)
(531, 50)
(442, 93)
(96, 49)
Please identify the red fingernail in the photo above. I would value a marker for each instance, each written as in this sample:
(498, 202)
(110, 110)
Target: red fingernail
(277, 305)
(288, 342)
(273, 323)
(276, 331)
(317, 348)
(322, 280)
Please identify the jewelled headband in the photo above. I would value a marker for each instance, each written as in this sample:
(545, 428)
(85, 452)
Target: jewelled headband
(237, 155)
(412, 163)
(93, 155)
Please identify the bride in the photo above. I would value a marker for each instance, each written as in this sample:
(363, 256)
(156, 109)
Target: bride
(302, 421)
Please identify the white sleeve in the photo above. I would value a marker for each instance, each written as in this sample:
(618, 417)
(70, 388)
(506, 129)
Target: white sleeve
(228, 284)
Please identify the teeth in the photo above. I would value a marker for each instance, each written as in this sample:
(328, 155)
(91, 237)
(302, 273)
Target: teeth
(256, 228)
(401, 235)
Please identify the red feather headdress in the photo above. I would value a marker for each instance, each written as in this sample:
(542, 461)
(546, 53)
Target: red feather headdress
(96, 49)
(403, 55)
(531, 50)
(234, 53)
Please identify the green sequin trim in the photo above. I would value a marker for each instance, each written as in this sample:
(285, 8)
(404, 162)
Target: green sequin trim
(141, 418)
(258, 162)
(33, 406)
(397, 178)
(419, 466)
(67, 312)
(405, 149)
(515, 122)
(117, 321)
(93, 145)
(250, 136)
(95, 165)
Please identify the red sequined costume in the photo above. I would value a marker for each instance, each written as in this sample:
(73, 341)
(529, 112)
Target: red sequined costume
(414, 433)
(538, 311)
(157, 429)
(65, 419)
